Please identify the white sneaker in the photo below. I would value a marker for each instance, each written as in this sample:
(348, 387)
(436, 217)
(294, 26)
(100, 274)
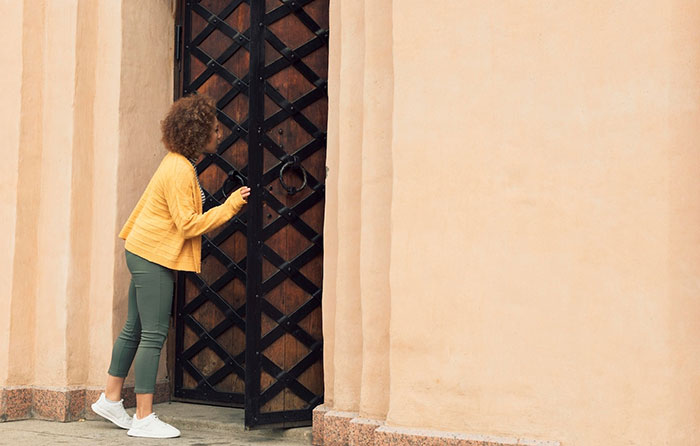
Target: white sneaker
(112, 411)
(152, 427)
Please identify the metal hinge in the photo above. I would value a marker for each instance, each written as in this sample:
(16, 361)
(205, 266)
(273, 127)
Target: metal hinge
(178, 36)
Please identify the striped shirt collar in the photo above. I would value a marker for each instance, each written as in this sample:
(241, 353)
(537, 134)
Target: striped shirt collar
(196, 175)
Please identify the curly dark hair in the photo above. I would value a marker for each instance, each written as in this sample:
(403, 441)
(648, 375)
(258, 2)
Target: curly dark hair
(189, 124)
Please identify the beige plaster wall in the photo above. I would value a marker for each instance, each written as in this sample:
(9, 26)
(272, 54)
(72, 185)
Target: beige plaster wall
(146, 92)
(544, 205)
(330, 218)
(545, 306)
(104, 190)
(10, 83)
(54, 245)
(347, 367)
(81, 198)
(376, 192)
(539, 163)
(683, 170)
(23, 291)
(85, 97)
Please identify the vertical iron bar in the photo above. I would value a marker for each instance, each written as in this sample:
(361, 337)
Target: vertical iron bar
(180, 276)
(178, 38)
(177, 65)
(186, 56)
(255, 167)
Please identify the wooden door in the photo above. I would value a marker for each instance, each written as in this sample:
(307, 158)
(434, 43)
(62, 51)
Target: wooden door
(248, 328)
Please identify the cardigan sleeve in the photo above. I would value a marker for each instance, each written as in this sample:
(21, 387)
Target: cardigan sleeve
(179, 193)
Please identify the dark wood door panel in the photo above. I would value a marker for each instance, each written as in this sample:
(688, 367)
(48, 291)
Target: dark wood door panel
(248, 328)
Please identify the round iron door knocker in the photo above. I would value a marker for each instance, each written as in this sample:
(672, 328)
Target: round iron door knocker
(293, 162)
(230, 183)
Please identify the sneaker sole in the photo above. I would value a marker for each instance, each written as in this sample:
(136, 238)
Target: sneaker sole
(140, 433)
(107, 417)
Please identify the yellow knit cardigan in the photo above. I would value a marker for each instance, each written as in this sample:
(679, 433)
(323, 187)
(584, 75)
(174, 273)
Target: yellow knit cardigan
(166, 224)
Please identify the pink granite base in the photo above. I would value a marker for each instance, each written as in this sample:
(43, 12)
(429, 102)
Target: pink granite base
(337, 428)
(61, 403)
(15, 403)
(318, 415)
(91, 395)
(334, 428)
(362, 431)
(396, 436)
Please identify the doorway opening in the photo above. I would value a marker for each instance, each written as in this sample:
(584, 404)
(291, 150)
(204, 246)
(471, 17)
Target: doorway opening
(248, 328)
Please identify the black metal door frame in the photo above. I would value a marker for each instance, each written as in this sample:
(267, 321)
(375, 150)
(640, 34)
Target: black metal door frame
(252, 361)
(255, 161)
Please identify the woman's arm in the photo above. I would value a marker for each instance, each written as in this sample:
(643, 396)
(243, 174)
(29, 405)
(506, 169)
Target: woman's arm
(178, 195)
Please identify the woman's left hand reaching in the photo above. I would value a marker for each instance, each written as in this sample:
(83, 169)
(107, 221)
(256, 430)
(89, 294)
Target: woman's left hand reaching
(245, 192)
(238, 198)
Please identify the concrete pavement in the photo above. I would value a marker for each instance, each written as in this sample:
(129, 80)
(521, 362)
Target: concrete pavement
(200, 426)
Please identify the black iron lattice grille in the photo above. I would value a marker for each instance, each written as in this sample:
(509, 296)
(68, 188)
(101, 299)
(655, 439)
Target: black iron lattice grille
(253, 131)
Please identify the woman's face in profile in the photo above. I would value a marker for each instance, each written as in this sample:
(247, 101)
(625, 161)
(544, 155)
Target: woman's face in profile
(214, 139)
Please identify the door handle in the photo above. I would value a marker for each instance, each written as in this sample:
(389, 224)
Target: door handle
(293, 162)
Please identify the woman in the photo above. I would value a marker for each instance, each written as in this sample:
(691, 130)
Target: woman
(163, 234)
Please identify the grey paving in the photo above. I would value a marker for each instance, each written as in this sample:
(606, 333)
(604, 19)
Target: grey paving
(200, 426)
(184, 415)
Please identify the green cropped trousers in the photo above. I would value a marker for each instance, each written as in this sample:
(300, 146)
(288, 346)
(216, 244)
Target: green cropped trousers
(146, 327)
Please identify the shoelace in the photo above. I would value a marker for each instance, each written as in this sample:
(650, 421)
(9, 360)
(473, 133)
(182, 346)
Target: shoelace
(155, 417)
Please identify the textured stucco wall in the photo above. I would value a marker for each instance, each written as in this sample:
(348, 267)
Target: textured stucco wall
(330, 218)
(104, 189)
(537, 273)
(22, 291)
(87, 86)
(11, 83)
(376, 192)
(347, 367)
(546, 307)
(146, 92)
(544, 239)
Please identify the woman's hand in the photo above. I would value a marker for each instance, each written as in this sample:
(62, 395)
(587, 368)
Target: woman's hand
(245, 192)
(239, 198)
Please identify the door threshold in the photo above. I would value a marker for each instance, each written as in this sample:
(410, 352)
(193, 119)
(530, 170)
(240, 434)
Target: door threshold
(230, 419)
